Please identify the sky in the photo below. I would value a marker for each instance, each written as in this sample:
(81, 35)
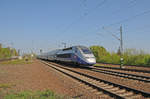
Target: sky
(31, 25)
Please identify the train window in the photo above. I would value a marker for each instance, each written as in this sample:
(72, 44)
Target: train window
(70, 48)
(85, 50)
(75, 50)
(64, 55)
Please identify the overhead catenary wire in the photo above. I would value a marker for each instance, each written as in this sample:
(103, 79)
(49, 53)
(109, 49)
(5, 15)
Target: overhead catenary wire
(127, 19)
(84, 15)
(131, 4)
(132, 1)
(130, 18)
(112, 34)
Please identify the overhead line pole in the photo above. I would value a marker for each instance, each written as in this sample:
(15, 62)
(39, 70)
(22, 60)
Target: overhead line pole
(64, 44)
(121, 48)
(121, 45)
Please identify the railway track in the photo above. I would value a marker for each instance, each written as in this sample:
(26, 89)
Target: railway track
(121, 74)
(114, 90)
(125, 69)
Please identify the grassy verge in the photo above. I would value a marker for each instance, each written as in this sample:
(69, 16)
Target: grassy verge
(96, 64)
(4, 86)
(5, 93)
(17, 61)
(47, 94)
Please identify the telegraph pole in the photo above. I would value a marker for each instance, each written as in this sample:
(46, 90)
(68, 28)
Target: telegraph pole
(121, 48)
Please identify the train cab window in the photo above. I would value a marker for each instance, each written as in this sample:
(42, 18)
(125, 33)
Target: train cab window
(85, 50)
(75, 50)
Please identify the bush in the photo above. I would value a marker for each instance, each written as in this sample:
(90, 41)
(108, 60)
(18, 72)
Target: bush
(7, 52)
(131, 56)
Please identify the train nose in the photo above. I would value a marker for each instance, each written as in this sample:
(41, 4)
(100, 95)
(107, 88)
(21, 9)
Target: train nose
(91, 60)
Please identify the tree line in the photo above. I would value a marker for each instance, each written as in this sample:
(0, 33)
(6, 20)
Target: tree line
(8, 52)
(130, 56)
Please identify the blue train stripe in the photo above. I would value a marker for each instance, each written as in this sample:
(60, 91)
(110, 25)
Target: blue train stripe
(77, 59)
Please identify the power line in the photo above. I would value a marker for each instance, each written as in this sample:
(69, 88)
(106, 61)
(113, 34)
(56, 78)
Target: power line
(131, 4)
(85, 6)
(85, 14)
(130, 18)
(141, 29)
(112, 34)
(132, 1)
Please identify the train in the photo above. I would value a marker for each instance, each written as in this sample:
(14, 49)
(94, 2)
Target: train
(79, 55)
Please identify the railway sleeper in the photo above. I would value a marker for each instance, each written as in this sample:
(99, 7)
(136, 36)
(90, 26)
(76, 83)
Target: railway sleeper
(103, 85)
(105, 96)
(120, 91)
(114, 89)
(136, 77)
(140, 78)
(126, 94)
(99, 93)
(108, 87)
(136, 96)
(94, 81)
(148, 80)
(93, 90)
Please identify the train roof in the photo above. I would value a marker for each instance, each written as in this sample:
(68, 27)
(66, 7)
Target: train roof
(69, 48)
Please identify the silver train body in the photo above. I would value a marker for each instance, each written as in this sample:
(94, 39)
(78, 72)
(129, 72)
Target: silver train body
(76, 54)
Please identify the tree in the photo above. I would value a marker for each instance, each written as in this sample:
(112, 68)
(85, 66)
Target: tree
(0, 45)
(7, 52)
(100, 53)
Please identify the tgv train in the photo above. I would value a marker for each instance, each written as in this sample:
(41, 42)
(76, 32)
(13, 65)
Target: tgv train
(80, 55)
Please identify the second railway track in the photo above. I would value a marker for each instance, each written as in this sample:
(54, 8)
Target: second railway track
(121, 74)
(124, 69)
(114, 90)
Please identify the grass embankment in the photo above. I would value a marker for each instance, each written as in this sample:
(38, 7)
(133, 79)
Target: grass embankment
(130, 56)
(17, 61)
(5, 86)
(46, 94)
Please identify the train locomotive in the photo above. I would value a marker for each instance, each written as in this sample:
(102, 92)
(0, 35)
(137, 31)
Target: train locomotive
(80, 55)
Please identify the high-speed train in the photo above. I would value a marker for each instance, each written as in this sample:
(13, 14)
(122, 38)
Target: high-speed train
(80, 55)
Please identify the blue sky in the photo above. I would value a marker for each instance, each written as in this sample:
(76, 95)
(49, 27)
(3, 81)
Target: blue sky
(44, 24)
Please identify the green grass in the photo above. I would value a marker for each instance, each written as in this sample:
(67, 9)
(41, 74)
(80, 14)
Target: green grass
(12, 62)
(4, 86)
(96, 64)
(47, 94)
